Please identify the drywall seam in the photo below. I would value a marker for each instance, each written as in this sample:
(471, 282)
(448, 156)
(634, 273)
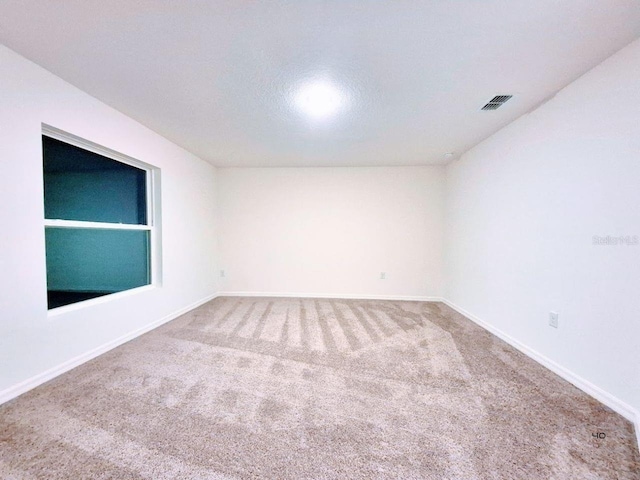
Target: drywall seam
(30, 383)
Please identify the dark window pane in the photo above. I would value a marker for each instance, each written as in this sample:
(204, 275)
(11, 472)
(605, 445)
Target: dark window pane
(85, 186)
(86, 263)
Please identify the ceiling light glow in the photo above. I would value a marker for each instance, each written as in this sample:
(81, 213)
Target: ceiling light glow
(319, 99)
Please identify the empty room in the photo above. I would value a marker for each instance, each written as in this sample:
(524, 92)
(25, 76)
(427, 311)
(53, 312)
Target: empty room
(320, 239)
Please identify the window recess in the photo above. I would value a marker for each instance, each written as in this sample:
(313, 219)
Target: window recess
(100, 222)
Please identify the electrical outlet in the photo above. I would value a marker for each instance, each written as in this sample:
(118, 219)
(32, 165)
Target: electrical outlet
(553, 319)
(222, 273)
(383, 275)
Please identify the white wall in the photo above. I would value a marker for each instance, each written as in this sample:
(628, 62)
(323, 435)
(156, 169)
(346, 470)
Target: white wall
(522, 210)
(30, 341)
(332, 231)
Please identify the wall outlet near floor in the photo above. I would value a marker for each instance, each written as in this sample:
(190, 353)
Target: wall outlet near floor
(383, 275)
(553, 319)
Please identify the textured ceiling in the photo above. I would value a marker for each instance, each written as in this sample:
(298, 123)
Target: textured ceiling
(218, 77)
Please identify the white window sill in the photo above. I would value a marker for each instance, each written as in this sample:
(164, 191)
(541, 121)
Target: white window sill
(56, 312)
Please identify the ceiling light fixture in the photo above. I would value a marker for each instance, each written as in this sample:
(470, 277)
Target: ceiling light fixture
(319, 99)
(448, 155)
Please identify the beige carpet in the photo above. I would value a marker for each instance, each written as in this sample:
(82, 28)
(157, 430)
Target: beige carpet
(310, 389)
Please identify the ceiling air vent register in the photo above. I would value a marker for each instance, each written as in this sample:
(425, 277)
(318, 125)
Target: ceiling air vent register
(496, 102)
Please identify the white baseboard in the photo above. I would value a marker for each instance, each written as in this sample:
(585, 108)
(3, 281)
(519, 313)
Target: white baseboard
(589, 388)
(26, 385)
(606, 398)
(636, 425)
(347, 296)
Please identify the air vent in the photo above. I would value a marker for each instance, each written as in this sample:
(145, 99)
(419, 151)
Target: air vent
(496, 102)
(491, 106)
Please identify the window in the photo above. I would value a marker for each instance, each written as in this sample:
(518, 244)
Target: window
(99, 220)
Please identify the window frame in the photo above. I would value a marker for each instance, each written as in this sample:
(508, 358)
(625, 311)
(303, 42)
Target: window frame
(152, 200)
